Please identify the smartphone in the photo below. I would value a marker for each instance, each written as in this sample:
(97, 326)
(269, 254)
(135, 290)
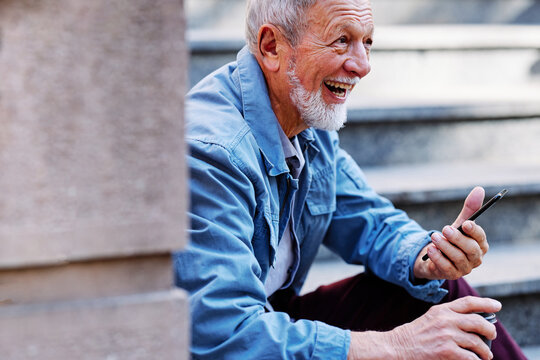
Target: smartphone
(479, 212)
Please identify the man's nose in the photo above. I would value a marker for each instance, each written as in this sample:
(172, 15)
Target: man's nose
(358, 62)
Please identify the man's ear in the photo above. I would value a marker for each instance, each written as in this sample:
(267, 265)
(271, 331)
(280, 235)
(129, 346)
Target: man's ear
(270, 41)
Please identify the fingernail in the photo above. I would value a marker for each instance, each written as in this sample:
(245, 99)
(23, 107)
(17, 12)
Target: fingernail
(467, 226)
(448, 231)
(496, 303)
(436, 237)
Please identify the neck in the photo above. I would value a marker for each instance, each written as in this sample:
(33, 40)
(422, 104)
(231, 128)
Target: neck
(286, 113)
(291, 132)
(290, 122)
(278, 91)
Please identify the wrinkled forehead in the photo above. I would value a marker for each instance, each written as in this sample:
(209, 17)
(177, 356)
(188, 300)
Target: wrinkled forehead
(325, 15)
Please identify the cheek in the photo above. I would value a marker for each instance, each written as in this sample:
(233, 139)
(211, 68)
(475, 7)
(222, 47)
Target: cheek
(310, 75)
(315, 68)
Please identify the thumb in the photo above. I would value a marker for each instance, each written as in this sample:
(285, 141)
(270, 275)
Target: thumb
(472, 203)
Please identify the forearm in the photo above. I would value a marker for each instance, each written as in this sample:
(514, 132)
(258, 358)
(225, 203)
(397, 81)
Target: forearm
(372, 345)
(421, 267)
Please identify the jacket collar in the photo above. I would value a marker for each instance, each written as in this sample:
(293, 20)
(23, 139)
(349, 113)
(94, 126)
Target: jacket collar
(260, 116)
(258, 112)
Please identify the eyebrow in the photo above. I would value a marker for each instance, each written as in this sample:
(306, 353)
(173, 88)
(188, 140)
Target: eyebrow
(369, 29)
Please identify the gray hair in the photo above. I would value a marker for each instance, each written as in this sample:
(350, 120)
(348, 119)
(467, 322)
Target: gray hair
(288, 15)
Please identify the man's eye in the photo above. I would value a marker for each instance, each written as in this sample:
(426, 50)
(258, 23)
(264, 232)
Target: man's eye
(342, 40)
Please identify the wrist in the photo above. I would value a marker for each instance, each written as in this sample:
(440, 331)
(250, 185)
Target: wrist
(371, 345)
(399, 340)
(420, 268)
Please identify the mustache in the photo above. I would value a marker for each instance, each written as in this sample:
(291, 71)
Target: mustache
(345, 80)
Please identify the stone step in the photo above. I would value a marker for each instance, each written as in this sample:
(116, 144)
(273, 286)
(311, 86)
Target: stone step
(433, 194)
(404, 142)
(510, 274)
(429, 60)
(506, 270)
(392, 38)
(532, 352)
(436, 111)
(428, 96)
(487, 56)
(220, 15)
(431, 182)
(450, 64)
(139, 326)
(456, 11)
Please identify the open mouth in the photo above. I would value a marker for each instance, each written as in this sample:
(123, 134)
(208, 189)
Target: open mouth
(337, 88)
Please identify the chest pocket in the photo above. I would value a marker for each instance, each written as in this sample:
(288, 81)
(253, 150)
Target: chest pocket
(321, 204)
(321, 198)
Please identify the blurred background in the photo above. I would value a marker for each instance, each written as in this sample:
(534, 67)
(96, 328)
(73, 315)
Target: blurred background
(452, 101)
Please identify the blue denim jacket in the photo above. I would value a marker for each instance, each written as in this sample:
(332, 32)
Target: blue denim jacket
(241, 189)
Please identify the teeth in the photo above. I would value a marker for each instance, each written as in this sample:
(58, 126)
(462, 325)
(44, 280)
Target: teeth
(339, 85)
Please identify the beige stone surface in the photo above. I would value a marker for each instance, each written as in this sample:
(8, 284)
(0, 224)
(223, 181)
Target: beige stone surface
(91, 134)
(150, 326)
(86, 280)
(93, 179)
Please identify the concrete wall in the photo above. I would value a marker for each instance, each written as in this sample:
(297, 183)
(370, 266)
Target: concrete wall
(92, 179)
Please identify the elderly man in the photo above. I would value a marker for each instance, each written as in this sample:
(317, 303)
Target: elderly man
(270, 184)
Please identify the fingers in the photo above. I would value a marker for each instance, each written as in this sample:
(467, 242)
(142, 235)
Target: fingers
(475, 323)
(477, 233)
(474, 327)
(443, 265)
(453, 350)
(453, 330)
(448, 331)
(465, 251)
(460, 253)
(472, 203)
(474, 304)
(471, 342)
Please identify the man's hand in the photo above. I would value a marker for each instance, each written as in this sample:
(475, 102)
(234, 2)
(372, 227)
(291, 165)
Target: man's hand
(446, 331)
(452, 254)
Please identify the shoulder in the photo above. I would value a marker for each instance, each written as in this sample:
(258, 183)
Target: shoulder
(214, 111)
(216, 129)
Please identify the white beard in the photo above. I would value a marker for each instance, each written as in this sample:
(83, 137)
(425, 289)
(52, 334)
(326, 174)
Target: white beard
(312, 107)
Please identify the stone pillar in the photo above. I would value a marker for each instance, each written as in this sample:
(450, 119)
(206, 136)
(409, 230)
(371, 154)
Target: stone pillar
(92, 179)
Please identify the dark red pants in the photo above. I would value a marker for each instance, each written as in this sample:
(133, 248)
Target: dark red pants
(364, 302)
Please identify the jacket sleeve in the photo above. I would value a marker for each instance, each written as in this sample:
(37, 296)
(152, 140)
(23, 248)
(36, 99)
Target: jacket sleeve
(222, 275)
(367, 229)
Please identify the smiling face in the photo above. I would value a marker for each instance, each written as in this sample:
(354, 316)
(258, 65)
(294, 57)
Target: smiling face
(313, 110)
(331, 58)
